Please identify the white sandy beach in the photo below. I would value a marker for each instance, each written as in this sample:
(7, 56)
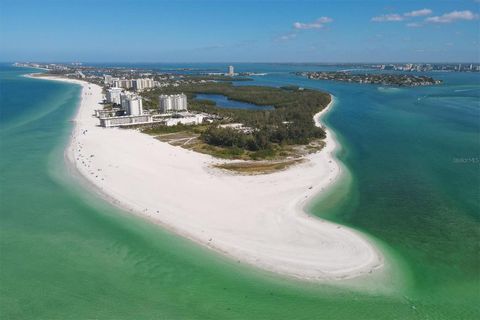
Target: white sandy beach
(257, 220)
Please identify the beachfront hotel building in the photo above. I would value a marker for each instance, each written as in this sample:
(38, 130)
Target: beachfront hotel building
(231, 71)
(113, 95)
(125, 121)
(132, 107)
(131, 104)
(172, 103)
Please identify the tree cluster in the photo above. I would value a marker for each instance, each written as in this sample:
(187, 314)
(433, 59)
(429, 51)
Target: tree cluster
(290, 121)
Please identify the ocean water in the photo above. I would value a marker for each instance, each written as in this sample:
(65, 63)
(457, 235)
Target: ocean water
(412, 156)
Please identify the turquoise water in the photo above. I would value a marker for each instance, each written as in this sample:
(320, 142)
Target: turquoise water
(412, 156)
(222, 101)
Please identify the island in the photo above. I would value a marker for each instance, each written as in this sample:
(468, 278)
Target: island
(385, 79)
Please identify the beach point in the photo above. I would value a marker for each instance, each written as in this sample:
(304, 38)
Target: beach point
(258, 220)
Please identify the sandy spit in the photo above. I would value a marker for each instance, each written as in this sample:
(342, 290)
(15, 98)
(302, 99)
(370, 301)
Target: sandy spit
(259, 220)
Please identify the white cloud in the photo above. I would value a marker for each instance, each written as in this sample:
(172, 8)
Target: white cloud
(453, 16)
(418, 13)
(414, 25)
(286, 37)
(395, 17)
(388, 18)
(317, 24)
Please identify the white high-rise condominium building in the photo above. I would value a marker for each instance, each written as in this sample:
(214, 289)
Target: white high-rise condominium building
(123, 83)
(107, 79)
(231, 71)
(143, 83)
(172, 103)
(132, 104)
(165, 104)
(113, 95)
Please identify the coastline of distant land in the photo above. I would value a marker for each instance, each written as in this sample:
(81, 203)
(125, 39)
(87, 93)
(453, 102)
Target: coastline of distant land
(385, 79)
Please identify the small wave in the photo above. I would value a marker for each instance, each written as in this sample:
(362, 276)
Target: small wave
(389, 90)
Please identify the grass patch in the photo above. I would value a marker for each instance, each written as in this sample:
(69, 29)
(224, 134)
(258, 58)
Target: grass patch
(258, 167)
(158, 129)
(190, 139)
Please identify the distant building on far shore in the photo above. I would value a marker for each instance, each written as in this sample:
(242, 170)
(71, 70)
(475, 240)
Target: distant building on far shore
(80, 74)
(231, 71)
(113, 95)
(172, 103)
(132, 104)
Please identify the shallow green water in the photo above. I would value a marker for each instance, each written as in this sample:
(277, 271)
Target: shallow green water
(66, 254)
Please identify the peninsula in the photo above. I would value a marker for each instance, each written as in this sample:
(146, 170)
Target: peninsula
(258, 220)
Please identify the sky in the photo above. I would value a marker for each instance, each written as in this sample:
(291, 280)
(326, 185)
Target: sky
(240, 31)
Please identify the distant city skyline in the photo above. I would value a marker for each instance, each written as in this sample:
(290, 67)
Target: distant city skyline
(240, 31)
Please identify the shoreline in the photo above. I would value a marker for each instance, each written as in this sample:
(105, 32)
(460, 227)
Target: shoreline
(279, 236)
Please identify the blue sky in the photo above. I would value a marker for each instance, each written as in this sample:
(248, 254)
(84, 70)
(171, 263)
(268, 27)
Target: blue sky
(240, 31)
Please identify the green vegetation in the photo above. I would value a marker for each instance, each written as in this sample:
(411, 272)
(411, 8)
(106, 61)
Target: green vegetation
(156, 129)
(258, 167)
(228, 137)
(271, 131)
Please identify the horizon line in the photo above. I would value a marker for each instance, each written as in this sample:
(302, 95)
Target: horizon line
(240, 62)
